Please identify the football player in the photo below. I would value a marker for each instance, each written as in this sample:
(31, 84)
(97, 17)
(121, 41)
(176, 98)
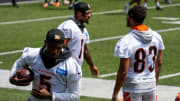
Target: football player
(177, 97)
(71, 5)
(140, 53)
(158, 7)
(14, 4)
(168, 1)
(57, 4)
(126, 7)
(56, 73)
(77, 37)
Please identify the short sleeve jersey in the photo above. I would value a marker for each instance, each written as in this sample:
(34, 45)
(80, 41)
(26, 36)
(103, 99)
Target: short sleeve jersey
(142, 60)
(141, 55)
(62, 79)
(78, 39)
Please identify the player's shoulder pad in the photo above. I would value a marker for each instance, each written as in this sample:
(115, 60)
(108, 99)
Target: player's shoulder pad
(68, 24)
(157, 35)
(125, 40)
(30, 52)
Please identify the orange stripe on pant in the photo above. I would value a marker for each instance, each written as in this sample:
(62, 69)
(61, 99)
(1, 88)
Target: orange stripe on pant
(126, 96)
(178, 97)
(121, 100)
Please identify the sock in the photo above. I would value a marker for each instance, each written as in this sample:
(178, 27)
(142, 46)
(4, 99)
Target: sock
(158, 4)
(145, 4)
(13, 2)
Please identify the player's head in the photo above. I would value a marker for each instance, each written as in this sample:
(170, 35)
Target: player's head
(82, 12)
(54, 42)
(137, 14)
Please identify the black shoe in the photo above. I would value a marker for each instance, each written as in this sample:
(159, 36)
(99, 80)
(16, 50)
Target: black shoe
(16, 6)
(70, 6)
(168, 1)
(158, 8)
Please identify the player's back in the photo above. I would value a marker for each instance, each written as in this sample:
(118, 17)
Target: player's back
(78, 38)
(143, 56)
(142, 51)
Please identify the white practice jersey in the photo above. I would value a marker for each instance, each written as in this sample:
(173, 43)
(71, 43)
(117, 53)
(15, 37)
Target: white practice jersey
(78, 39)
(141, 74)
(62, 79)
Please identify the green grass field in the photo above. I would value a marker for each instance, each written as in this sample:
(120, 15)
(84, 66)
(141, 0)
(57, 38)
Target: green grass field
(32, 34)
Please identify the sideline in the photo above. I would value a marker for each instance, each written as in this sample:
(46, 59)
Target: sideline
(101, 88)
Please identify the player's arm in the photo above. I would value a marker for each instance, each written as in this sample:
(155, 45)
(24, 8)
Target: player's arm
(13, 79)
(71, 95)
(68, 32)
(14, 74)
(121, 77)
(42, 93)
(66, 41)
(158, 65)
(73, 83)
(87, 57)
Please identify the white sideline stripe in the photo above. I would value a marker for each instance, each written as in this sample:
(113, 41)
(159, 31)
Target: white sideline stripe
(169, 29)
(96, 40)
(107, 75)
(171, 22)
(170, 75)
(61, 17)
(34, 20)
(165, 18)
(161, 77)
(54, 18)
(164, 6)
(108, 12)
(103, 39)
(11, 52)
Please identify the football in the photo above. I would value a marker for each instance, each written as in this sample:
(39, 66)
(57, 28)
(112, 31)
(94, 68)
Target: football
(25, 73)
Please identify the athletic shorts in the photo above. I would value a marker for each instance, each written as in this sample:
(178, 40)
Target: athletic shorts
(146, 96)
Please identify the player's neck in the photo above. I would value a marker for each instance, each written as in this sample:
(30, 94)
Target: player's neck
(79, 20)
(141, 27)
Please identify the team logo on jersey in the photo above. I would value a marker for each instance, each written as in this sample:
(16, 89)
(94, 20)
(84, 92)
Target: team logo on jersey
(61, 71)
(86, 33)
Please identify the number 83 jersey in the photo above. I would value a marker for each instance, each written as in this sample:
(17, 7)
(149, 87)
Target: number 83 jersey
(142, 55)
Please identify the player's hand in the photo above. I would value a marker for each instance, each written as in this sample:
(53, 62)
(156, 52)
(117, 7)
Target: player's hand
(19, 82)
(42, 93)
(94, 71)
(115, 98)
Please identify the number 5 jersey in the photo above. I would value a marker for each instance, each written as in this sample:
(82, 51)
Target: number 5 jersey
(62, 80)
